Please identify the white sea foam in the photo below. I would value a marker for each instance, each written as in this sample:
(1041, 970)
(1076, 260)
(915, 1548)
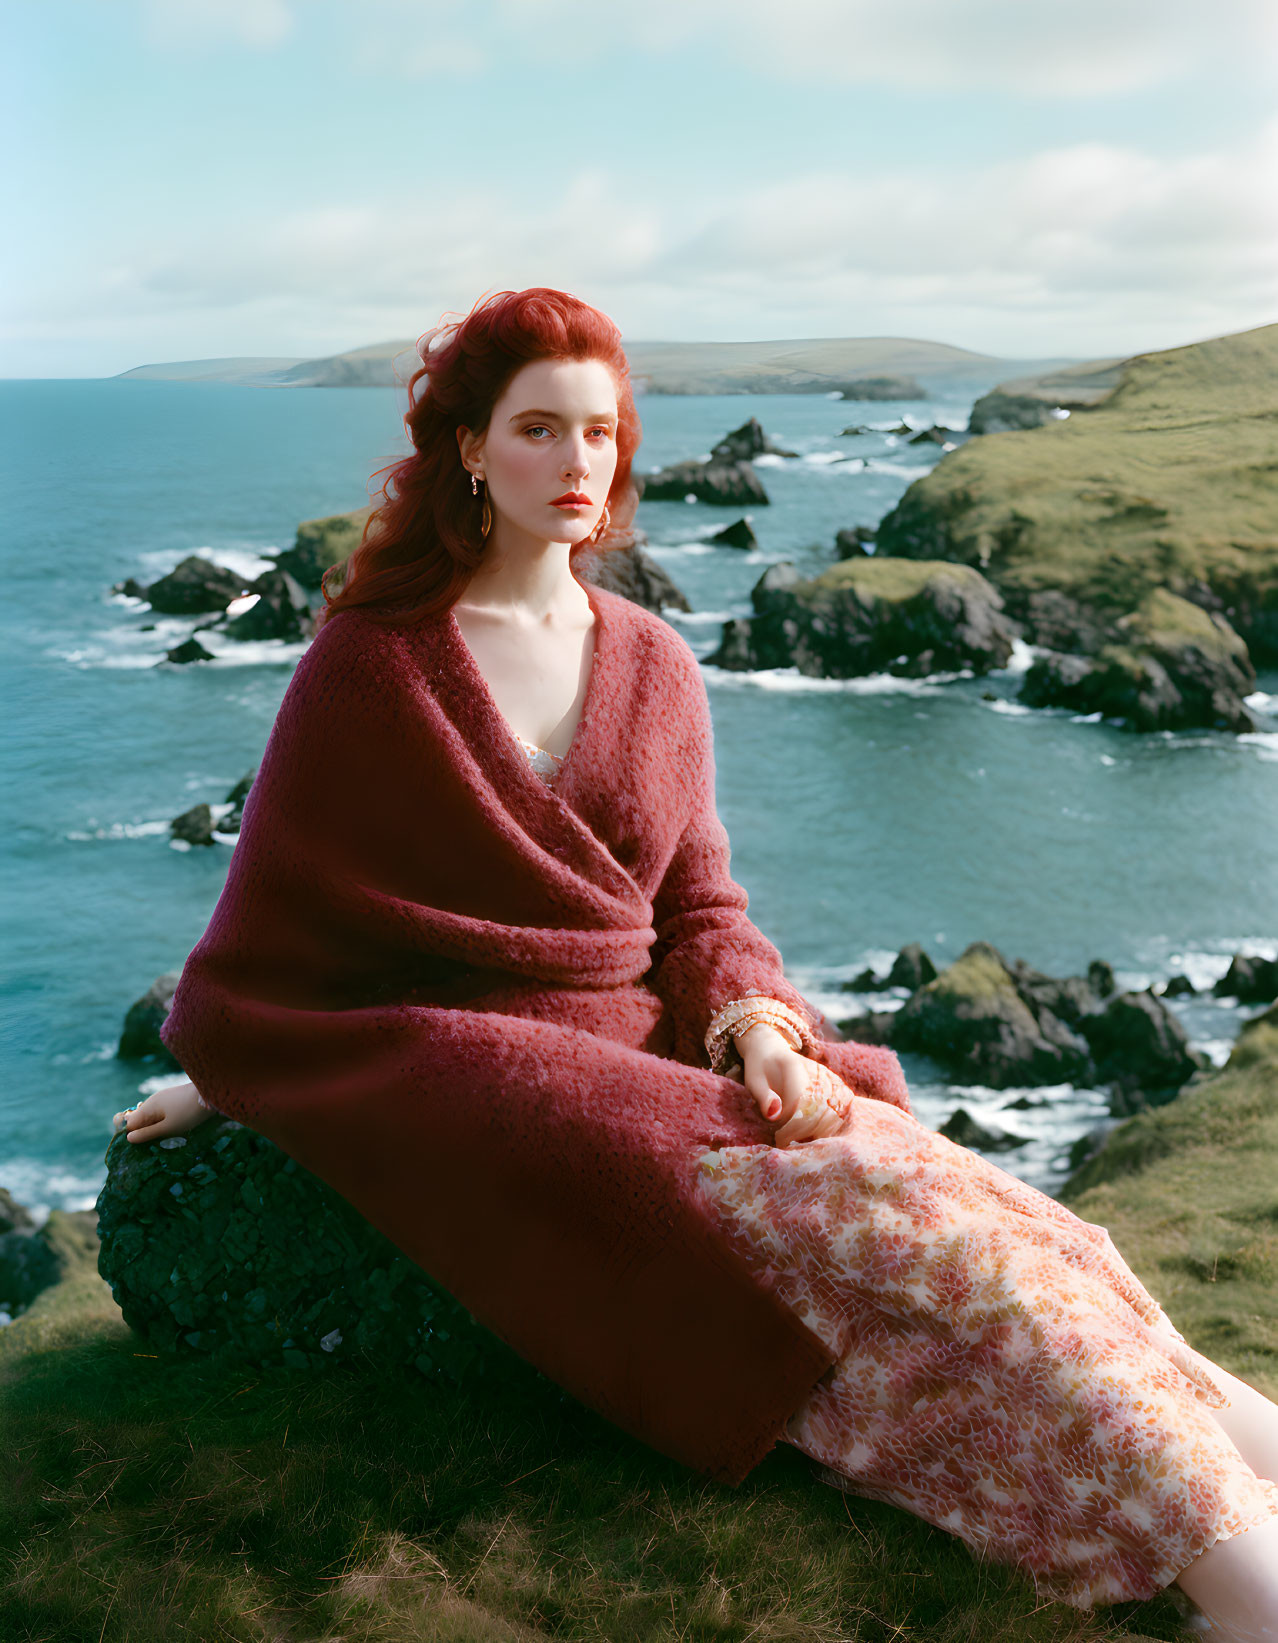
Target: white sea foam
(791, 680)
(244, 558)
(1265, 743)
(703, 618)
(1002, 704)
(120, 830)
(1020, 661)
(903, 470)
(40, 1186)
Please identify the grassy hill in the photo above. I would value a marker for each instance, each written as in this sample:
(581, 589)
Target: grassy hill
(1170, 480)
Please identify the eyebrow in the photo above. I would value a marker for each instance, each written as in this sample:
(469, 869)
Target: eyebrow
(603, 416)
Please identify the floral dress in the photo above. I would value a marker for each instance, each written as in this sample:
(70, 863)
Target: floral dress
(1000, 1371)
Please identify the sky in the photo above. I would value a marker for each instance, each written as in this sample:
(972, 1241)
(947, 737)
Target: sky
(204, 179)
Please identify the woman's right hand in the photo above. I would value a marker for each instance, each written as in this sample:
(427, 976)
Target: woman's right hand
(172, 1111)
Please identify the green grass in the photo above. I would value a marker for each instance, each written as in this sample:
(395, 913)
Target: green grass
(145, 1499)
(1190, 1194)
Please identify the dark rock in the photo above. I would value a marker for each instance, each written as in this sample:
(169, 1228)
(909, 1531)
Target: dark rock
(937, 435)
(973, 1020)
(230, 823)
(1100, 978)
(1178, 987)
(874, 1027)
(747, 441)
(218, 1244)
(14, 1217)
(962, 1128)
(634, 574)
(33, 1258)
(1069, 998)
(143, 1019)
(724, 484)
(130, 586)
(1055, 621)
(194, 586)
(854, 543)
(872, 615)
(998, 412)
(875, 388)
(194, 826)
(1141, 1048)
(1022, 1103)
(1179, 668)
(281, 611)
(737, 535)
(1250, 980)
(321, 544)
(865, 981)
(911, 968)
(190, 650)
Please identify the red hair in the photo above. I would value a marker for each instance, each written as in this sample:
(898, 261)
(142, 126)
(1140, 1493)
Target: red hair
(422, 545)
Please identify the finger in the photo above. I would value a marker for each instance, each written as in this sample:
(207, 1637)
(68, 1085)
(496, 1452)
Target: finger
(156, 1130)
(766, 1098)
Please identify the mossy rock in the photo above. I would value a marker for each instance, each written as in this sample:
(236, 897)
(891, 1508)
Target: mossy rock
(869, 615)
(975, 1020)
(1173, 667)
(217, 1243)
(322, 543)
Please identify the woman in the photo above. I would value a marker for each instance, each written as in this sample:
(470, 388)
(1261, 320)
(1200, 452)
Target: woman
(480, 964)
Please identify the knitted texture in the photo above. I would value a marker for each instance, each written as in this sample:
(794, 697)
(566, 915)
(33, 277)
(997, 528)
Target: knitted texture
(474, 1005)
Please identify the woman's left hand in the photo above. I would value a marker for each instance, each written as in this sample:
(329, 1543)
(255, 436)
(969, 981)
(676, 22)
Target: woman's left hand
(788, 1087)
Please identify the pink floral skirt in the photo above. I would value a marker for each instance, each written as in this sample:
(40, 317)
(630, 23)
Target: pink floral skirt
(1001, 1373)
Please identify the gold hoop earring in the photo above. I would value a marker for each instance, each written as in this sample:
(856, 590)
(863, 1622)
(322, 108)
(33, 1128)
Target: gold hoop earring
(486, 522)
(599, 530)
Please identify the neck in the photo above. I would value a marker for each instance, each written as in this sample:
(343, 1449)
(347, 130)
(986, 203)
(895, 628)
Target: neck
(529, 579)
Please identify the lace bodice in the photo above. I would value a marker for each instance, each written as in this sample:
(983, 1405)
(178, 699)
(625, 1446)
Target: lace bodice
(545, 763)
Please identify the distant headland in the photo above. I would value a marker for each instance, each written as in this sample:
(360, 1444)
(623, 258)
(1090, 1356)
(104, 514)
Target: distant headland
(871, 368)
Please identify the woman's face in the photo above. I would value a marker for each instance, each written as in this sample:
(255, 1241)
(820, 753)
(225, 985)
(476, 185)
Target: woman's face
(552, 431)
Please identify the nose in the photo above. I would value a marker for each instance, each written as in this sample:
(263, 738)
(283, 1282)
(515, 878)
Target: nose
(576, 461)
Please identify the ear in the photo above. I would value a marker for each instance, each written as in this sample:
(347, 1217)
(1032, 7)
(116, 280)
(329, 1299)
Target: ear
(469, 445)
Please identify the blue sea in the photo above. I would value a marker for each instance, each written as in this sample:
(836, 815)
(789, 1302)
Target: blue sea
(863, 814)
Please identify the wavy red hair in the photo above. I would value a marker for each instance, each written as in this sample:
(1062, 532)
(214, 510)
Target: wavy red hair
(422, 544)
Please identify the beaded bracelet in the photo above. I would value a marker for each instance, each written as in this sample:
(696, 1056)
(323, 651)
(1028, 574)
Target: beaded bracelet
(745, 1012)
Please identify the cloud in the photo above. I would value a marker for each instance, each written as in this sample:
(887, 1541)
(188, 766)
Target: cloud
(185, 25)
(1084, 248)
(1087, 48)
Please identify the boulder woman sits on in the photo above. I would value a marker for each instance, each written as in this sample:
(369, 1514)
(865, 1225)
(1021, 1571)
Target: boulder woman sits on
(479, 964)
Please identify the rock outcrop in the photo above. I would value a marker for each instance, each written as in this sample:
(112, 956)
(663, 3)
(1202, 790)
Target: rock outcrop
(747, 441)
(990, 1022)
(218, 1243)
(1170, 666)
(725, 484)
(869, 615)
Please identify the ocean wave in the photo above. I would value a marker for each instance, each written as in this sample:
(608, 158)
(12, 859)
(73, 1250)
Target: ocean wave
(40, 1186)
(870, 684)
(120, 830)
(244, 558)
(1265, 743)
